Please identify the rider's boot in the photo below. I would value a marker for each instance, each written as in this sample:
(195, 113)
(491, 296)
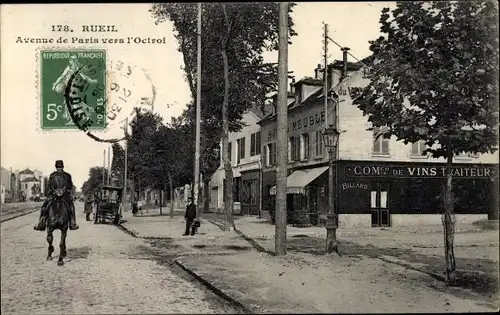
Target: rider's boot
(41, 225)
(72, 224)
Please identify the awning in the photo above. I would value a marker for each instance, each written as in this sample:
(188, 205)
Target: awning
(298, 180)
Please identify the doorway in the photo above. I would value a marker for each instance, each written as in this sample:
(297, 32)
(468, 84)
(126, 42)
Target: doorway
(379, 200)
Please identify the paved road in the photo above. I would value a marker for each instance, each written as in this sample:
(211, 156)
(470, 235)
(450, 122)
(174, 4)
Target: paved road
(106, 271)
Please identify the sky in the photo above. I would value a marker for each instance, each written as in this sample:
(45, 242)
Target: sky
(25, 145)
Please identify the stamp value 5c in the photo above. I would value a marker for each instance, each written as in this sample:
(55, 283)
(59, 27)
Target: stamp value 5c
(56, 69)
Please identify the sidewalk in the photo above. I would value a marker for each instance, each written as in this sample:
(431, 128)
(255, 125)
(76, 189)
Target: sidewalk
(374, 274)
(168, 232)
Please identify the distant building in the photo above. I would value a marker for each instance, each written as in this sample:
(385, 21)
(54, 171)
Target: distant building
(31, 184)
(6, 186)
(245, 156)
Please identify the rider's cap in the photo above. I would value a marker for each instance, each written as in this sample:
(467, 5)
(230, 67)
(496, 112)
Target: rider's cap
(59, 164)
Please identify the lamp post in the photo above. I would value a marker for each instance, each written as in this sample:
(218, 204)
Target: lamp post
(330, 139)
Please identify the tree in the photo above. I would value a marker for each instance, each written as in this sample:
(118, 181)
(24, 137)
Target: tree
(94, 181)
(434, 78)
(237, 37)
(36, 189)
(140, 145)
(118, 163)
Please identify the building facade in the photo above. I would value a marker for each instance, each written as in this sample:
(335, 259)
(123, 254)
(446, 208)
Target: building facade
(382, 182)
(6, 185)
(244, 151)
(31, 184)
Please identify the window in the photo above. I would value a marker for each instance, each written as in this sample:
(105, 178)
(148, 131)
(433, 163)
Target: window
(241, 149)
(319, 142)
(295, 148)
(229, 151)
(270, 154)
(304, 146)
(418, 148)
(255, 143)
(290, 149)
(467, 155)
(273, 154)
(380, 143)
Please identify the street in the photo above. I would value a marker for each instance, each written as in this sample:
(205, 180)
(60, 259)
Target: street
(106, 271)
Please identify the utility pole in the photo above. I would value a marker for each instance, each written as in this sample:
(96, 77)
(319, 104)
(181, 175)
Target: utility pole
(282, 143)
(104, 168)
(109, 165)
(325, 73)
(198, 118)
(124, 199)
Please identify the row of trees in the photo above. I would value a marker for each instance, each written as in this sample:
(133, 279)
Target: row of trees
(234, 78)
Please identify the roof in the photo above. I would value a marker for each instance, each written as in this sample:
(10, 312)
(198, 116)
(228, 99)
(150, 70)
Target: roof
(111, 187)
(30, 179)
(309, 81)
(26, 171)
(351, 66)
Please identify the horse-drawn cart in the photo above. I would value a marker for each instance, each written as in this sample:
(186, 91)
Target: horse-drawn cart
(109, 205)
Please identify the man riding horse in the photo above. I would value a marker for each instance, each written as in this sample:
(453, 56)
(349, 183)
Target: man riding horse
(66, 177)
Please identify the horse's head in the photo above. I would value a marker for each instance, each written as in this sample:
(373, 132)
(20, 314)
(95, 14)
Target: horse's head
(59, 192)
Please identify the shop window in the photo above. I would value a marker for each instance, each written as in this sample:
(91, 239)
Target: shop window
(236, 189)
(380, 141)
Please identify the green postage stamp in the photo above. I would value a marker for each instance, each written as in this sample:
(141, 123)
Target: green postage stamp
(63, 71)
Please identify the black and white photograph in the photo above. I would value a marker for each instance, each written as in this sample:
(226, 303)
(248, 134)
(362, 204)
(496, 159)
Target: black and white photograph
(249, 157)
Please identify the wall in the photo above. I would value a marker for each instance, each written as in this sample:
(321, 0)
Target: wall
(304, 119)
(246, 164)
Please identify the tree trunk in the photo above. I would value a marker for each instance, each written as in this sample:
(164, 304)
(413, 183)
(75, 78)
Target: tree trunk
(161, 201)
(206, 199)
(228, 205)
(448, 220)
(171, 196)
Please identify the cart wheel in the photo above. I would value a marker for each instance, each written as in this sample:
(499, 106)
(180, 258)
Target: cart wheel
(116, 221)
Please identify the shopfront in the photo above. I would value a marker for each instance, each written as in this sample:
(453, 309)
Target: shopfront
(381, 194)
(250, 192)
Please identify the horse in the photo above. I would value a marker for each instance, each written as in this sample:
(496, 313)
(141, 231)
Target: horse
(58, 219)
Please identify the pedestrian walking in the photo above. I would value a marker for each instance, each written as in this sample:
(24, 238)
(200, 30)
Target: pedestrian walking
(190, 215)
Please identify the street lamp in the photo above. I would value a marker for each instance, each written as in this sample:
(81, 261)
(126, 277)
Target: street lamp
(331, 139)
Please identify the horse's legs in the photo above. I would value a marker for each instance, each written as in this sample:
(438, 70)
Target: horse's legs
(50, 239)
(62, 247)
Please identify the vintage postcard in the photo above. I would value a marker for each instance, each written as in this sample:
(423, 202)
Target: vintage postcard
(254, 157)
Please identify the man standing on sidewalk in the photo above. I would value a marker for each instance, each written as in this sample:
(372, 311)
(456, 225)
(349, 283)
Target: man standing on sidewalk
(190, 215)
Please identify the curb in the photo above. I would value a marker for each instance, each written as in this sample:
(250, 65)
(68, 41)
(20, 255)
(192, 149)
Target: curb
(23, 213)
(213, 288)
(411, 266)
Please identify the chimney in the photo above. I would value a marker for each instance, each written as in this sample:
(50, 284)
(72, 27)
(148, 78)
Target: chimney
(292, 88)
(317, 71)
(344, 61)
